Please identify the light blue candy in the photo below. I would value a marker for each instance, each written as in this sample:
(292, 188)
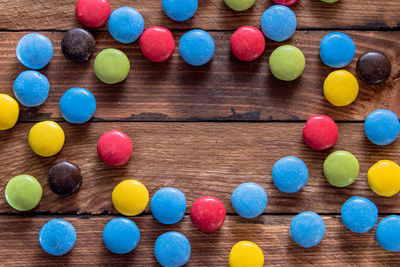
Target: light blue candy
(382, 127)
(337, 50)
(278, 23)
(34, 50)
(196, 47)
(180, 10)
(249, 200)
(172, 249)
(359, 214)
(168, 205)
(31, 88)
(125, 24)
(388, 233)
(307, 229)
(121, 235)
(57, 237)
(290, 174)
(77, 105)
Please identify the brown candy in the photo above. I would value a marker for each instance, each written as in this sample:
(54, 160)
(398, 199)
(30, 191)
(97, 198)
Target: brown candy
(373, 67)
(78, 44)
(64, 178)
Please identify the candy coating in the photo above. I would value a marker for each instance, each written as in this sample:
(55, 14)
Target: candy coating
(111, 66)
(359, 214)
(246, 253)
(92, 13)
(64, 178)
(125, 25)
(341, 168)
(239, 5)
(46, 138)
(9, 112)
(384, 178)
(31, 88)
(77, 105)
(121, 235)
(208, 213)
(78, 45)
(23, 192)
(287, 63)
(337, 50)
(179, 10)
(196, 47)
(382, 127)
(320, 132)
(278, 23)
(388, 233)
(157, 44)
(130, 197)
(307, 229)
(249, 200)
(290, 174)
(168, 205)
(172, 249)
(247, 43)
(114, 148)
(34, 50)
(57, 237)
(340, 88)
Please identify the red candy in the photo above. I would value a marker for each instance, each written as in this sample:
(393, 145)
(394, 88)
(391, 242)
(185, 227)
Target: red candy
(208, 213)
(285, 2)
(114, 148)
(157, 44)
(93, 13)
(247, 43)
(320, 132)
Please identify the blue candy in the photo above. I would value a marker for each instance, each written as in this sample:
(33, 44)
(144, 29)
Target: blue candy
(121, 235)
(57, 237)
(125, 24)
(172, 249)
(31, 88)
(196, 47)
(290, 174)
(382, 127)
(180, 10)
(337, 50)
(278, 23)
(307, 229)
(359, 214)
(77, 105)
(388, 233)
(34, 50)
(168, 205)
(249, 200)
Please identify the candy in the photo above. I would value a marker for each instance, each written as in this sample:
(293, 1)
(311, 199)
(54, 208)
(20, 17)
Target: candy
(337, 50)
(23, 192)
(359, 214)
(111, 66)
(287, 63)
(196, 47)
(157, 44)
(168, 205)
(320, 132)
(130, 197)
(340, 88)
(208, 213)
(285, 2)
(330, 1)
(239, 5)
(78, 45)
(341, 168)
(382, 127)
(249, 200)
(9, 112)
(373, 67)
(307, 229)
(125, 24)
(92, 13)
(34, 50)
(31, 88)
(64, 178)
(57, 237)
(384, 178)
(180, 10)
(77, 105)
(246, 253)
(172, 249)
(388, 233)
(121, 235)
(278, 23)
(114, 148)
(46, 138)
(247, 43)
(290, 174)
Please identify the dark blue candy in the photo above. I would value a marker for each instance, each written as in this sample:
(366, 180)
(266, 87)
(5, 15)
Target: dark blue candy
(57, 237)
(382, 127)
(180, 10)
(31, 88)
(337, 50)
(77, 105)
(290, 174)
(172, 249)
(307, 229)
(196, 47)
(121, 235)
(125, 24)
(168, 205)
(249, 200)
(388, 233)
(34, 50)
(278, 23)
(359, 214)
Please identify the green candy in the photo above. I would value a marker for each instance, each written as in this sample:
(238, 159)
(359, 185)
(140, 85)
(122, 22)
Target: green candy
(287, 63)
(329, 1)
(239, 5)
(341, 168)
(23, 192)
(111, 66)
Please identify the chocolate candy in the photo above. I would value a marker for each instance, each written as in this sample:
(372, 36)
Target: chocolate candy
(64, 178)
(31, 88)
(330, 1)
(46, 138)
(337, 50)
(157, 44)
(168, 205)
(111, 66)
(388, 233)
(92, 13)
(114, 148)
(307, 229)
(320, 132)
(77, 105)
(340, 88)
(121, 235)
(34, 50)
(290, 174)
(287, 63)
(359, 214)
(78, 45)
(180, 10)
(9, 112)
(125, 24)
(208, 213)
(247, 43)
(382, 127)
(249, 200)
(239, 5)
(285, 2)
(172, 249)
(130, 197)
(341, 168)
(246, 253)
(57, 237)
(196, 47)
(278, 23)
(23, 192)
(373, 67)
(384, 178)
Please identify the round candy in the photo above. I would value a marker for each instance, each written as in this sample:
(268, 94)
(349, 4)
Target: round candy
(172, 249)
(330, 1)
(290, 174)
(249, 200)
(57, 237)
(359, 214)
(196, 47)
(208, 213)
(341, 168)
(180, 10)
(111, 66)
(34, 50)
(337, 50)
(320, 132)
(121, 235)
(247, 43)
(64, 178)
(287, 63)
(168, 205)
(130, 197)
(31, 88)
(307, 229)
(23, 192)
(125, 24)
(382, 127)
(9, 112)
(388, 233)
(114, 148)
(92, 13)
(285, 2)
(340, 88)
(77, 105)
(239, 5)
(157, 44)
(278, 23)
(373, 67)
(246, 253)
(46, 138)
(78, 45)
(384, 178)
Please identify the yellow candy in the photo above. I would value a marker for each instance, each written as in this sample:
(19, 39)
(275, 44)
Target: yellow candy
(130, 197)
(340, 88)
(384, 178)
(9, 112)
(246, 254)
(46, 138)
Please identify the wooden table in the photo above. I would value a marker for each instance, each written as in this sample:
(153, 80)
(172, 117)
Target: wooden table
(203, 130)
